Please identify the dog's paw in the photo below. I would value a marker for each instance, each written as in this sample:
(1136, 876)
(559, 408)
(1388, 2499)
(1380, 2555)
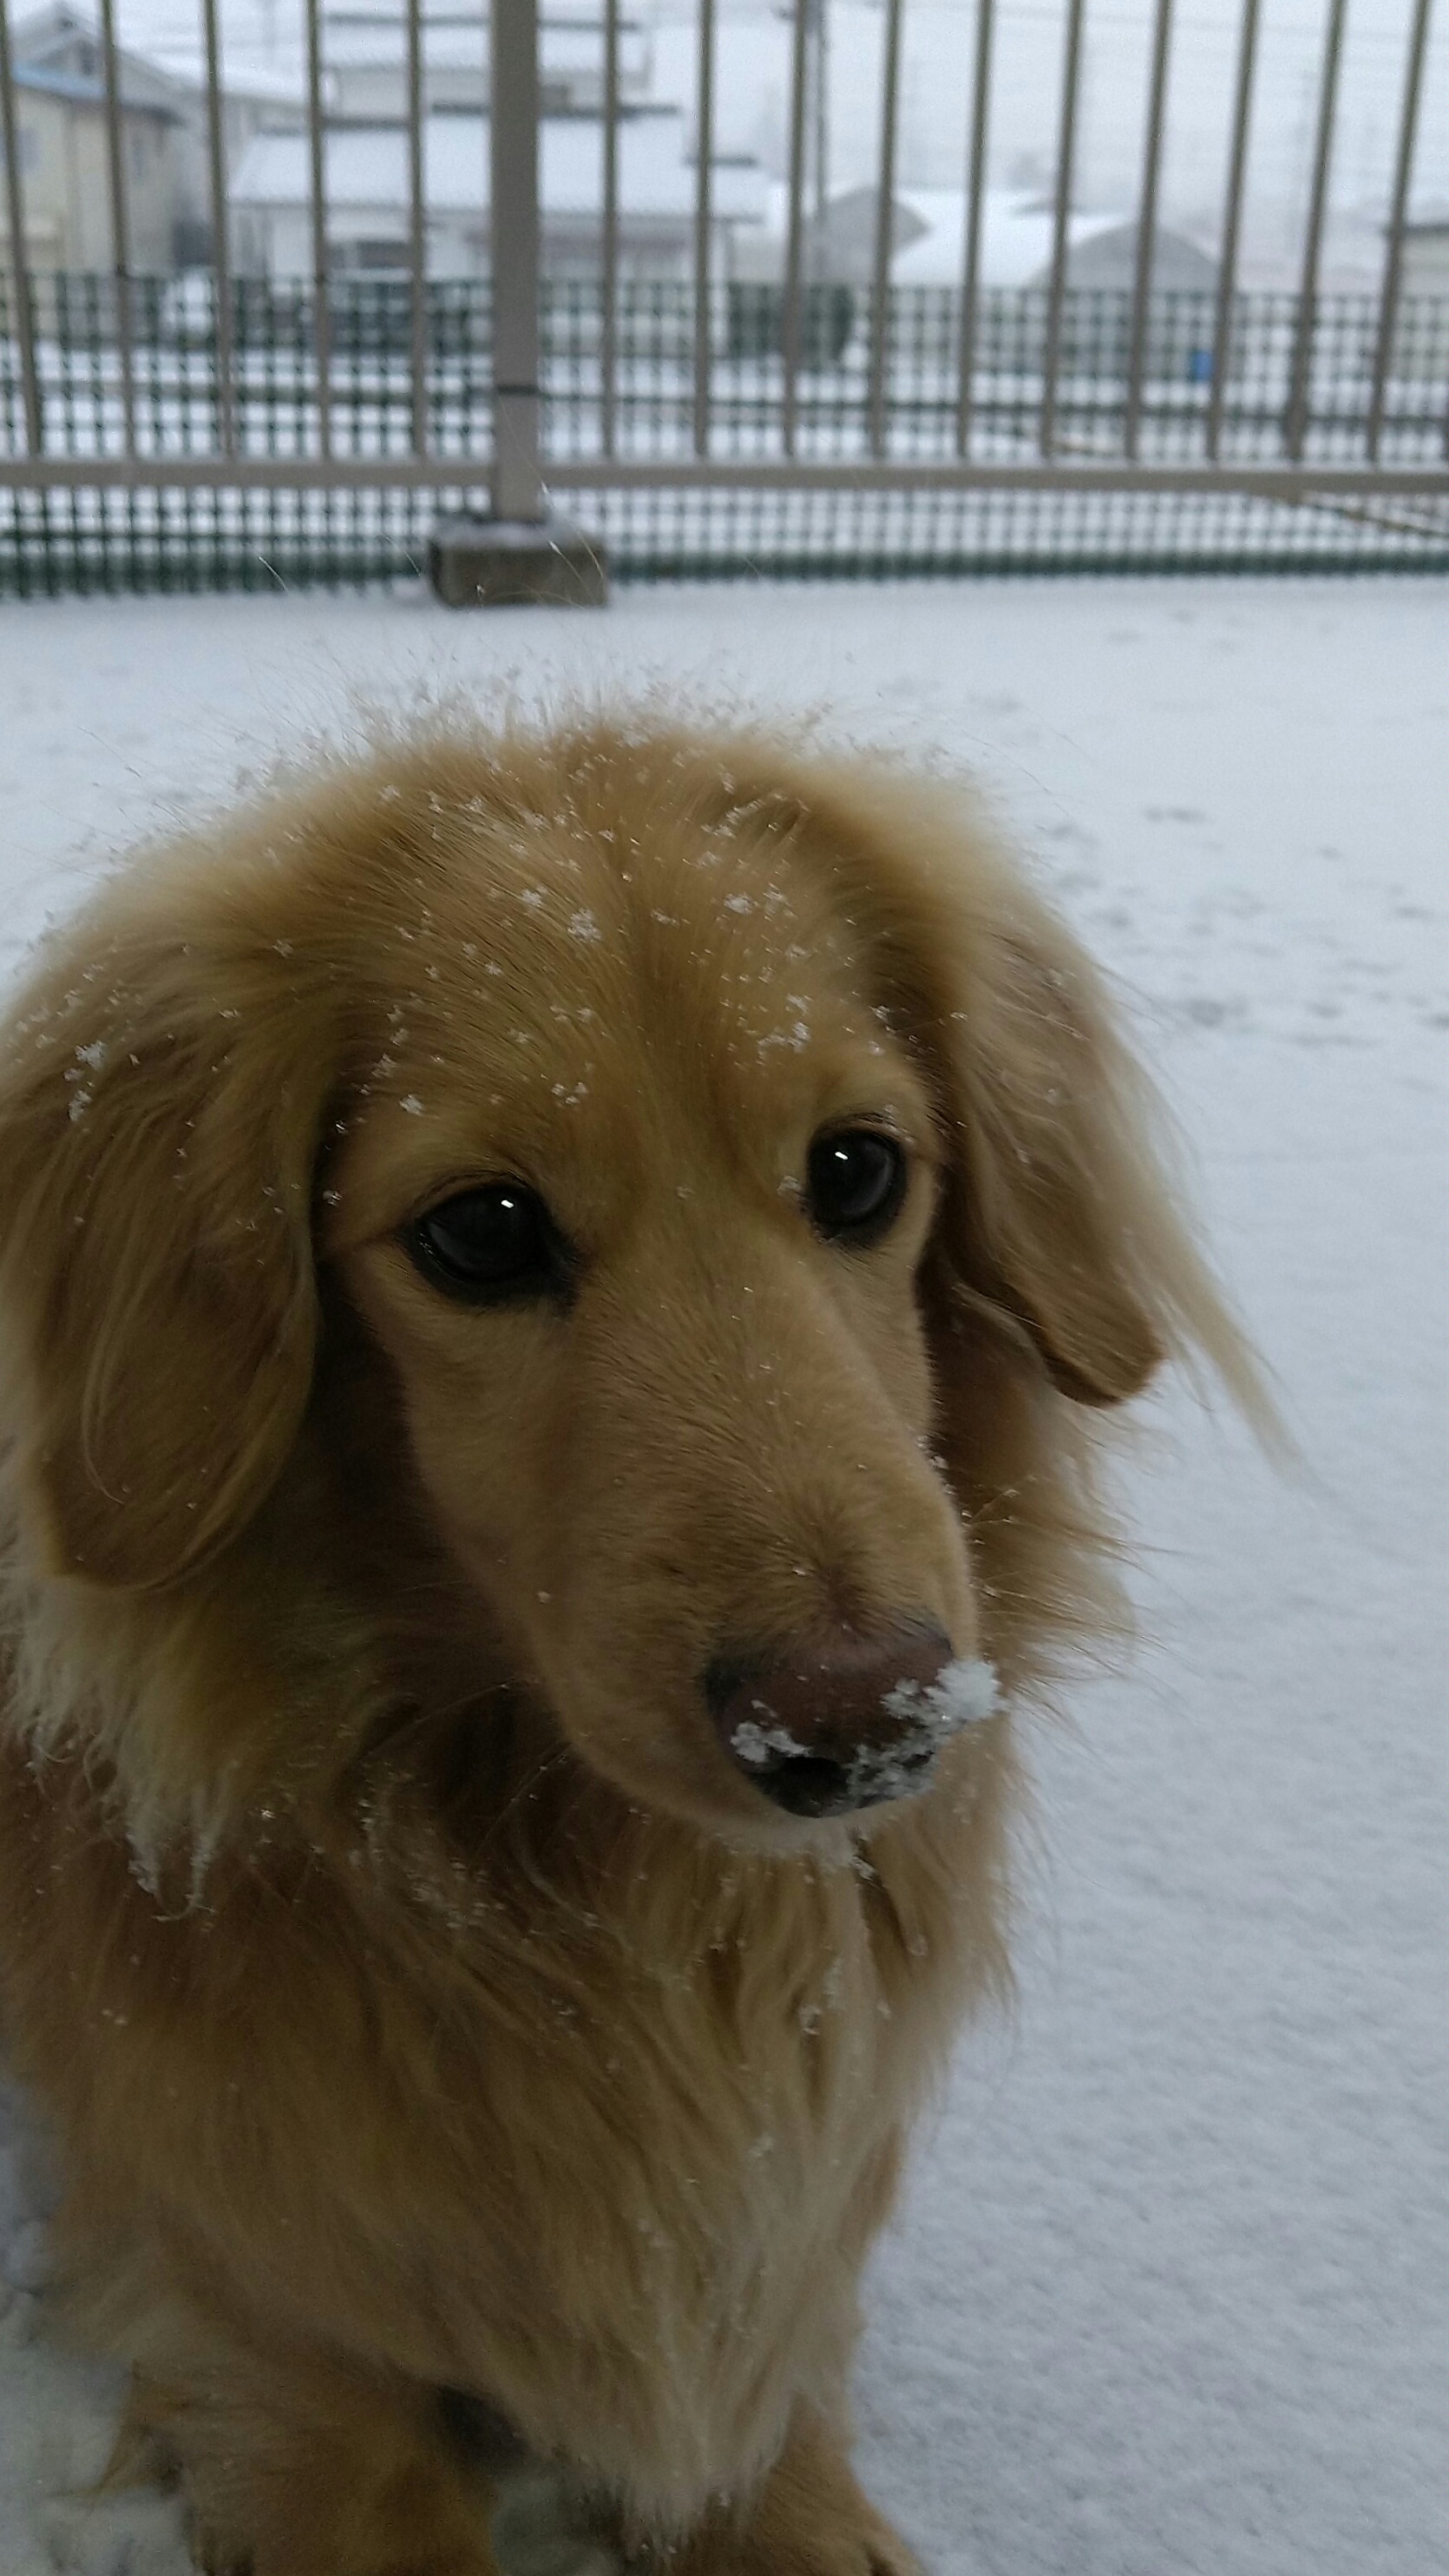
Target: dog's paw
(811, 2519)
(887, 2555)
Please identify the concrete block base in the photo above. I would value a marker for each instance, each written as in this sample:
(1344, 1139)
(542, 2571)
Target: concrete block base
(497, 563)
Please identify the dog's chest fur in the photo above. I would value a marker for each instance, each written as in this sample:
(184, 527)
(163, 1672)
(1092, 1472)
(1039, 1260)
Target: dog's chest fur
(681, 2120)
(613, 2167)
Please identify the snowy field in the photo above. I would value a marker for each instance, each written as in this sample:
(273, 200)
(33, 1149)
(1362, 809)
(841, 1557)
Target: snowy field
(1166, 2294)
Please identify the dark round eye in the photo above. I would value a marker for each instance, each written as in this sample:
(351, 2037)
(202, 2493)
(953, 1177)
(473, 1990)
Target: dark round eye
(857, 1182)
(488, 1244)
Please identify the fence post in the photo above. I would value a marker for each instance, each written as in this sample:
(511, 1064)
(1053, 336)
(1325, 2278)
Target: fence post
(513, 232)
(20, 286)
(518, 553)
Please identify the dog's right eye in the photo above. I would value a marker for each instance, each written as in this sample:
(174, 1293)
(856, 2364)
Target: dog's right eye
(489, 1244)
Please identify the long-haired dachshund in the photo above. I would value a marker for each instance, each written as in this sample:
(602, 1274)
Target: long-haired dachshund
(558, 1295)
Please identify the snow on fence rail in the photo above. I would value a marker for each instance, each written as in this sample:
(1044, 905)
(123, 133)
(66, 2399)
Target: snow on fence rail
(226, 426)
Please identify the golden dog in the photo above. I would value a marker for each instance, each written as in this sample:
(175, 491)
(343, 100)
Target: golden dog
(557, 1291)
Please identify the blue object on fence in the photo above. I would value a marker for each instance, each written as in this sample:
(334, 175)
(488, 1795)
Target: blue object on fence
(1199, 366)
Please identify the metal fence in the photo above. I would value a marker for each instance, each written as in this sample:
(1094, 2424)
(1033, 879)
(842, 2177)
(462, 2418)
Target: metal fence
(252, 434)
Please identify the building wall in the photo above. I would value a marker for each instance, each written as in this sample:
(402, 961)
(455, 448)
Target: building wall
(66, 183)
(276, 242)
(41, 139)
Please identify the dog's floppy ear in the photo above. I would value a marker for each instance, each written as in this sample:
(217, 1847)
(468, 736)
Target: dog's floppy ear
(1054, 1207)
(161, 1095)
(1059, 1227)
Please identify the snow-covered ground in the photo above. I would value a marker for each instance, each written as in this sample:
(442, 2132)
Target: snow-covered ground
(1166, 2293)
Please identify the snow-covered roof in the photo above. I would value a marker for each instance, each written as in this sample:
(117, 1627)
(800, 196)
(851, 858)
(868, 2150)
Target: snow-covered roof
(1016, 233)
(84, 93)
(1016, 237)
(366, 165)
(240, 77)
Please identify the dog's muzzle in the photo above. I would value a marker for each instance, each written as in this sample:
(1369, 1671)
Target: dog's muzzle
(828, 1730)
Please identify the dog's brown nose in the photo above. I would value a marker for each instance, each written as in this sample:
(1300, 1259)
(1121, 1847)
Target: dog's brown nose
(831, 1728)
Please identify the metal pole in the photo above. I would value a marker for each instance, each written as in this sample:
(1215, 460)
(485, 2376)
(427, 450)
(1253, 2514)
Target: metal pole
(1061, 215)
(1398, 208)
(1295, 417)
(790, 307)
(321, 317)
(120, 229)
(880, 284)
(609, 316)
(1146, 229)
(220, 239)
(976, 188)
(1232, 224)
(419, 336)
(703, 223)
(517, 478)
(819, 111)
(19, 261)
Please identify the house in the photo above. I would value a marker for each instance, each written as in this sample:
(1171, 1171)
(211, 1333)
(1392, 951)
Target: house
(64, 171)
(1014, 266)
(928, 235)
(364, 55)
(61, 41)
(366, 187)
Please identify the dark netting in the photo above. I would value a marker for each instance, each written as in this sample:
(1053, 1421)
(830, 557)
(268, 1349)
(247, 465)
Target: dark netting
(1289, 392)
(280, 540)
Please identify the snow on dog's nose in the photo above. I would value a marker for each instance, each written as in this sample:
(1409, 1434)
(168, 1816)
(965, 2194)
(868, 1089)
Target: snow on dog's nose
(826, 1730)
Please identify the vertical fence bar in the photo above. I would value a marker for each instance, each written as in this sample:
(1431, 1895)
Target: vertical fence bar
(1398, 209)
(975, 194)
(703, 223)
(885, 207)
(120, 225)
(1061, 230)
(419, 335)
(609, 284)
(820, 106)
(220, 235)
(317, 174)
(794, 244)
(1232, 226)
(517, 477)
(19, 260)
(1300, 382)
(1146, 230)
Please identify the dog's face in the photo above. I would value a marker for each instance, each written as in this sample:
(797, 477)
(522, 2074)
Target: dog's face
(733, 1185)
(634, 1205)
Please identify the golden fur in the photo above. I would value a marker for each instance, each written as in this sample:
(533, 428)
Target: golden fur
(422, 1999)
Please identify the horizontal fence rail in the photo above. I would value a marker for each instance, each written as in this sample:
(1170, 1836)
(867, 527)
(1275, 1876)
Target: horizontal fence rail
(226, 427)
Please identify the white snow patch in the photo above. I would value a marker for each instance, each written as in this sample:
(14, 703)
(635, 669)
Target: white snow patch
(755, 1743)
(962, 1694)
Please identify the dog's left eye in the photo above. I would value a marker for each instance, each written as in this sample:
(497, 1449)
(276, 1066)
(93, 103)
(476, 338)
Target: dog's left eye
(488, 1244)
(857, 1183)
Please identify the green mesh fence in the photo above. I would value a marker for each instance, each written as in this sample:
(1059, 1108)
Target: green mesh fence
(54, 540)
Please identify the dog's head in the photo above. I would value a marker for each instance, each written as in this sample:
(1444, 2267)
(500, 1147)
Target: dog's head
(709, 1170)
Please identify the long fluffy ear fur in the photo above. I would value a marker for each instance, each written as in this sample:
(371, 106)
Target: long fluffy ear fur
(161, 1095)
(1061, 1223)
